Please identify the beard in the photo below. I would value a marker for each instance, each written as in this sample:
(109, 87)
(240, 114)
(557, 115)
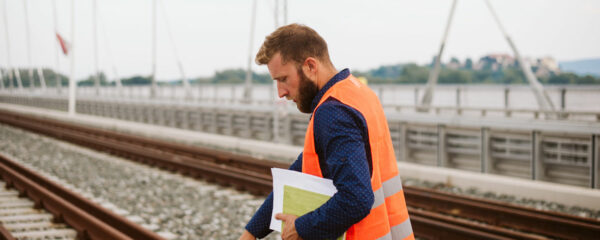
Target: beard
(306, 93)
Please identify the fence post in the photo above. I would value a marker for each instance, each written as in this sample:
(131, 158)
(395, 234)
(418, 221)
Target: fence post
(595, 166)
(441, 150)
(458, 97)
(485, 148)
(416, 96)
(563, 100)
(537, 166)
(403, 145)
(506, 100)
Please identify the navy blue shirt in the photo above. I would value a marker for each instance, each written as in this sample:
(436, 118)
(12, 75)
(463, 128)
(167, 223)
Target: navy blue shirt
(341, 142)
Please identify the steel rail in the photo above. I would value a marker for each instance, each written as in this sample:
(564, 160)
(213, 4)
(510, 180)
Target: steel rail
(474, 229)
(197, 152)
(5, 234)
(485, 211)
(257, 183)
(502, 214)
(89, 219)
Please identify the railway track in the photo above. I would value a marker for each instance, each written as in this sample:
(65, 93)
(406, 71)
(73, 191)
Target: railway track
(20, 219)
(434, 215)
(89, 220)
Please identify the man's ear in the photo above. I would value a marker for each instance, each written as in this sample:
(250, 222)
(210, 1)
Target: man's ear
(305, 69)
(309, 66)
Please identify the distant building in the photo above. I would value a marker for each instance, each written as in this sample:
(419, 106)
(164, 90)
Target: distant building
(546, 66)
(454, 64)
(542, 67)
(495, 62)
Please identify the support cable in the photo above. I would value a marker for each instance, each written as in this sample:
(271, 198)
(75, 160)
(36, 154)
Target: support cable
(110, 55)
(248, 81)
(57, 52)
(72, 83)
(8, 68)
(285, 12)
(95, 37)
(153, 77)
(276, 101)
(434, 74)
(28, 39)
(543, 100)
(2, 79)
(186, 83)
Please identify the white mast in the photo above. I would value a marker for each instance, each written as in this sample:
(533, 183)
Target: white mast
(39, 71)
(276, 14)
(56, 50)
(28, 39)
(543, 100)
(72, 52)
(110, 56)
(433, 75)
(2, 80)
(18, 75)
(186, 83)
(248, 87)
(42, 78)
(153, 77)
(285, 12)
(15, 70)
(275, 96)
(95, 37)
(8, 69)
(31, 67)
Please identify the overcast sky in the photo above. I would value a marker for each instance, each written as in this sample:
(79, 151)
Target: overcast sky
(213, 35)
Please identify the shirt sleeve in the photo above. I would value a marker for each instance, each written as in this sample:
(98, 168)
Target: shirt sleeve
(260, 222)
(340, 133)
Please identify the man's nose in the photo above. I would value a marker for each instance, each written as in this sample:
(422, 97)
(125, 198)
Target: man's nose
(281, 91)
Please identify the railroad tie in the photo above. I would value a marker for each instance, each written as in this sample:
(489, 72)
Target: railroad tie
(23, 221)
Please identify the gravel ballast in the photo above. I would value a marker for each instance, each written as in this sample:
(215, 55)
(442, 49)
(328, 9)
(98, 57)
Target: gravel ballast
(175, 206)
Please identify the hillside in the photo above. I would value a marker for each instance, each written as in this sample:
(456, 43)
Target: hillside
(582, 67)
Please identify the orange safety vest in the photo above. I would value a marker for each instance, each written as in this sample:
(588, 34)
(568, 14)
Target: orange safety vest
(388, 218)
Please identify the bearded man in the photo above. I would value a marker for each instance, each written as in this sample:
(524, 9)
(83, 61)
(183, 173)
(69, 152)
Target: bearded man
(347, 140)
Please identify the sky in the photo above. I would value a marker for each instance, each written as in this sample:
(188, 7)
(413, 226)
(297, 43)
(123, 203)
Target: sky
(213, 35)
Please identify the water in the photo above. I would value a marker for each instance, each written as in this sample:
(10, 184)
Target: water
(576, 98)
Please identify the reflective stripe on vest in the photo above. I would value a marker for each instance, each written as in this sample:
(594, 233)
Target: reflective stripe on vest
(388, 218)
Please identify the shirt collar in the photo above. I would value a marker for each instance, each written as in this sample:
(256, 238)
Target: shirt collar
(335, 79)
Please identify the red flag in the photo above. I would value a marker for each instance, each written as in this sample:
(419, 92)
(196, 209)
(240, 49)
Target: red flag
(63, 44)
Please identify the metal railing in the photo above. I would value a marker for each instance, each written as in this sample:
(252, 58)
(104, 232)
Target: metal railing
(547, 150)
(512, 101)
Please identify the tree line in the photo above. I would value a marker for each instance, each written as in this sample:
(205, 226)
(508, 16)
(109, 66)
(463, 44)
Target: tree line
(390, 74)
(415, 74)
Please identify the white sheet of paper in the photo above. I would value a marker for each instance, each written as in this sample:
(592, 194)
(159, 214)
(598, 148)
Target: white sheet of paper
(296, 179)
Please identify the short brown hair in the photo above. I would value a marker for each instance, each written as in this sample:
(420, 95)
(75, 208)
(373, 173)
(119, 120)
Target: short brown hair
(294, 42)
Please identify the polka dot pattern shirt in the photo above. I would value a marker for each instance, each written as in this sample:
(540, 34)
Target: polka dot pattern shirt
(341, 142)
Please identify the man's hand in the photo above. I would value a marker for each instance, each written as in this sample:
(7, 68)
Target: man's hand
(247, 236)
(289, 229)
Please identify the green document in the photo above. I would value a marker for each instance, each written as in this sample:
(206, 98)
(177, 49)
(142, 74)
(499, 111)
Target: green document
(298, 202)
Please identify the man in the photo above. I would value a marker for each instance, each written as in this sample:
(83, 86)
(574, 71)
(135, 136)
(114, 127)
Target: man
(347, 140)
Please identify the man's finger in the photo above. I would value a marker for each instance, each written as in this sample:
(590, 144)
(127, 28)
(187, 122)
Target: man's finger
(281, 216)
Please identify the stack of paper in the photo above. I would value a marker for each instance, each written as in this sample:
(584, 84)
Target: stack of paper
(297, 193)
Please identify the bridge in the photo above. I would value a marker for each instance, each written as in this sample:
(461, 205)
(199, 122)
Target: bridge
(521, 143)
(545, 133)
